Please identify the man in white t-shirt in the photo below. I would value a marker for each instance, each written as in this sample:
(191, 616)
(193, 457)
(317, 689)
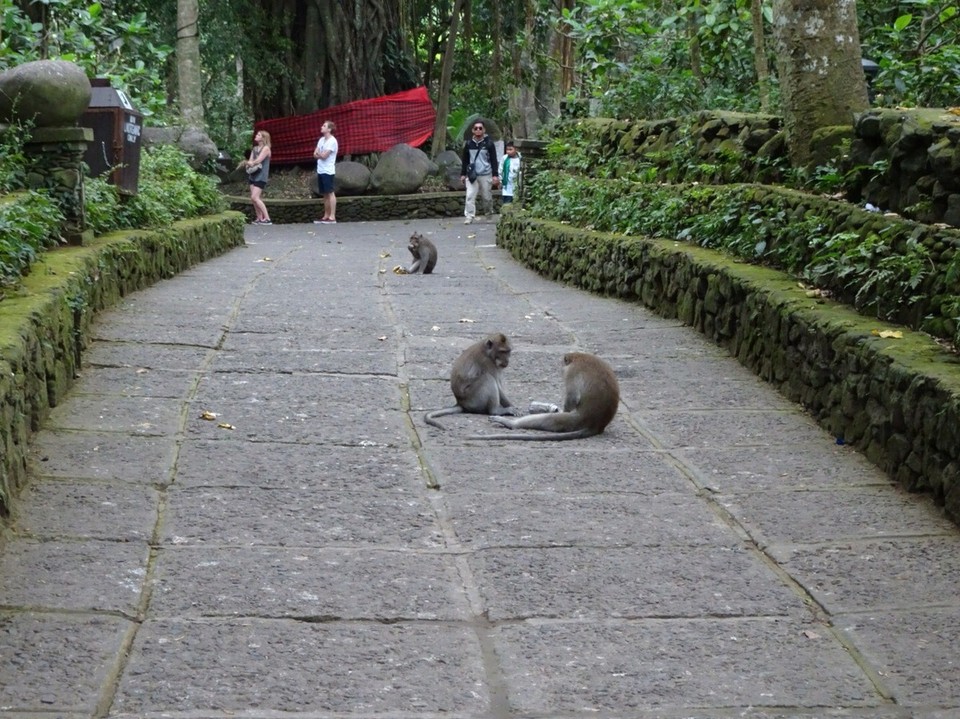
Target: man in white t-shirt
(326, 154)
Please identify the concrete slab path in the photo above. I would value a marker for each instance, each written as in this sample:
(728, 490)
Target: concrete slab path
(239, 512)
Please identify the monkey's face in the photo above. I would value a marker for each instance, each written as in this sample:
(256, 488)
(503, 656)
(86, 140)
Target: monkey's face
(414, 241)
(497, 348)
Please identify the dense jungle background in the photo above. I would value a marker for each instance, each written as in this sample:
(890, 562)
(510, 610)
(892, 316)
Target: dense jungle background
(223, 64)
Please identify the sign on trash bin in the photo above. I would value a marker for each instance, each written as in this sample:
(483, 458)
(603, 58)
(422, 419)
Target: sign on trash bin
(117, 130)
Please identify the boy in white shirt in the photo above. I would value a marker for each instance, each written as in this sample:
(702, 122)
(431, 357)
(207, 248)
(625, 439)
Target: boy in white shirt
(509, 172)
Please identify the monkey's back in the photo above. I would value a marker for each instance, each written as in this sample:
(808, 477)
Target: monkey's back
(593, 392)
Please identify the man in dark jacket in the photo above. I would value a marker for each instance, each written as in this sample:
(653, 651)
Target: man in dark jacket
(480, 154)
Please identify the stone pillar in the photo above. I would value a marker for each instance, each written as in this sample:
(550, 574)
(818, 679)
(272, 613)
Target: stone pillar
(48, 97)
(55, 163)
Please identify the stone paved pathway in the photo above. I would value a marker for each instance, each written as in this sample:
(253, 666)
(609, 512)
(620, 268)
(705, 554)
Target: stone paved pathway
(314, 550)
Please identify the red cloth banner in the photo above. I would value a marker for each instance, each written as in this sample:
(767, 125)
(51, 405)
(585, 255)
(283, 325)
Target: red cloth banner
(363, 126)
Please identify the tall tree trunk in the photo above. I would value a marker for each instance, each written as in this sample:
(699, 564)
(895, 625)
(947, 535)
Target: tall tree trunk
(332, 52)
(287, 89)
(311, 59)
(760, 55)
(696, 64)
(446, 73)
(565, 53)
(521, 95)
(556, 78)
(496, 40)
(821, 78)
(189, 76)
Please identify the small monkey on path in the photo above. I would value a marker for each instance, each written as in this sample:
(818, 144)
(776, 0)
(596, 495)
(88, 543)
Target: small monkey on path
(424, 255)
(475, 380)
(592, 396)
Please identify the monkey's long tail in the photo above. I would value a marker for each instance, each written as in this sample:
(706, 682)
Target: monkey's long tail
(539, 436)
(431, 417)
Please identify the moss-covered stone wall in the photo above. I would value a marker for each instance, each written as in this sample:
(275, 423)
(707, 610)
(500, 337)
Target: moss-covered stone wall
(364, 207)
(908, 161)
(44, 326)
(899, 160)
(897, 400)
(880, 264)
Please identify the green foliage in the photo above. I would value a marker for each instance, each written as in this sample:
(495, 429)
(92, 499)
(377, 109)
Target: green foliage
(249, 33)
(101, 204)
(96, 37)
(880, 272)
(169, 190)
(950, 303)
(594, 147)
(916, 43)
(471, 94)
(881, 279)
(29, 223)
(457, 122)
(12, 162)
(651, 60)
(646, 59)
(570, 156)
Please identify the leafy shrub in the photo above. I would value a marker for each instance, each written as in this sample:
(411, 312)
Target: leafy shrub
(102, 205)
(12, 164)
(99, 37)
(916, 45)
(879, 271)
(29, 223)
(168, 190)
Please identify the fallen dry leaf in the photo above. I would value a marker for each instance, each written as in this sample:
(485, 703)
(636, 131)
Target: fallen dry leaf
(888, 334)
(224, 425)
(208, 415)
(809, 634)
(382, 338)
(265, 259)
(466, 320)
(384, 255)
(399, 270)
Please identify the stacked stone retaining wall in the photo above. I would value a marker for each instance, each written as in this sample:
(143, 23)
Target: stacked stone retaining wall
(900, 160)
(895, 399)
(44, 327)
(364, 207)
